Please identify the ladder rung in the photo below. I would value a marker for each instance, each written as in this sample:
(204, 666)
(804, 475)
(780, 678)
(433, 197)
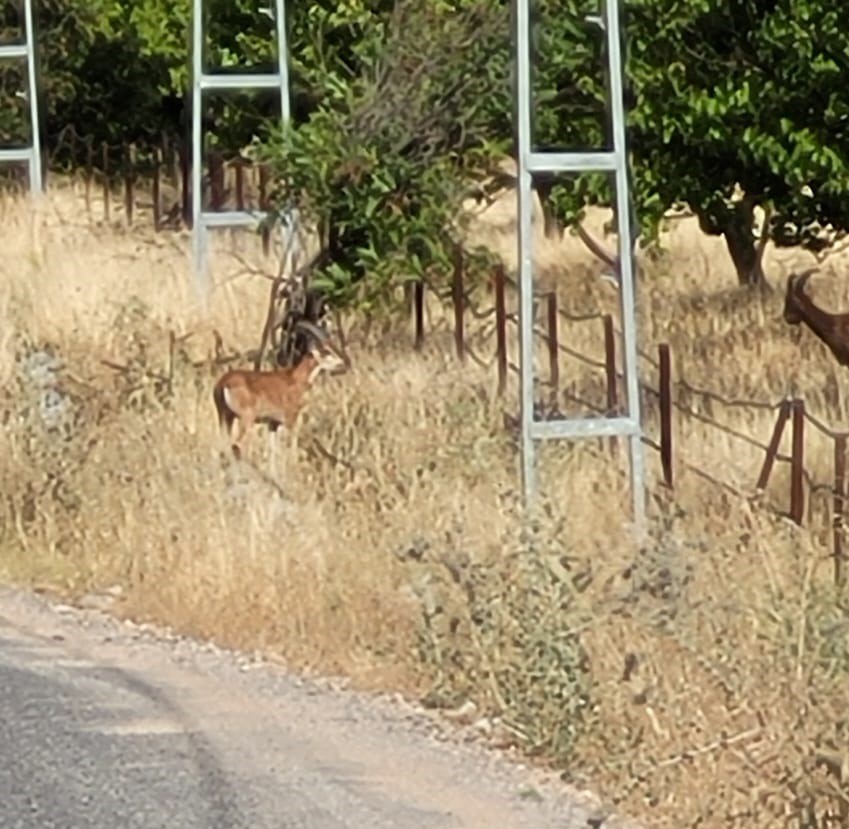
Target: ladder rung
(248, 81)
(231, 218)
(576, 162)
(590, 427)
(14, 50)
(11, 156)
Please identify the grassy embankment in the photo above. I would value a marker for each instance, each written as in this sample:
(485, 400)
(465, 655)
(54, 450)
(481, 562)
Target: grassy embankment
(695, 677)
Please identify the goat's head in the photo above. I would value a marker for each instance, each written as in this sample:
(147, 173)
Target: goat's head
(795, 288)
(327, 357)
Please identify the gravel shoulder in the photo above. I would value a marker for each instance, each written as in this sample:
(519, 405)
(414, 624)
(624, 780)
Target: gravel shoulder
(254, 745)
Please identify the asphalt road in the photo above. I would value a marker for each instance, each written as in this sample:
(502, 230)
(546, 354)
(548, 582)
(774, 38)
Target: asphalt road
(107, 725)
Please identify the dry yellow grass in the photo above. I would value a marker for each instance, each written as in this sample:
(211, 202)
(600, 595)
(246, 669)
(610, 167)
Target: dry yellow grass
(695, 679)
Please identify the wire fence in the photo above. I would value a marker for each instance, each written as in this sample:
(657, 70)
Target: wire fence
(136, 179)
(671, 397)
(151, 183)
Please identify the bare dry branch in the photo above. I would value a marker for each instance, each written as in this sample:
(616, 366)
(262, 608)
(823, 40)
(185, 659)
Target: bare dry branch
(596, 248)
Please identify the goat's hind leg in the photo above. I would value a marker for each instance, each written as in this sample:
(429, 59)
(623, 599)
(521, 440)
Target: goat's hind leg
(231, 434)
(239, 439)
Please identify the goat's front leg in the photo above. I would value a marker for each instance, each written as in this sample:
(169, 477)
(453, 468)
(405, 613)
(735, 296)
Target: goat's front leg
(273, 447)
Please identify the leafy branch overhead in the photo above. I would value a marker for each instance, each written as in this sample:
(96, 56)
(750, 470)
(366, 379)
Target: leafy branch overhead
(732, 106)
(753, 97)
(381, 171)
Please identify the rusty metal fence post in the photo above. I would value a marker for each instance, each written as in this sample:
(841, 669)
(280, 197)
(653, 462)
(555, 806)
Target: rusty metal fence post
(797, 463)
(839, 505)
(459, 304)
(666, 413)
(186, 185)
(553, 346)
(499, 280)
(774, 443)
(262, 186)
(157, 188)
(107, 211)
(216, 180)
(610, 373)
(239, 169)
(129, 183)
(89, 175)
(264, 176)
(418, 314)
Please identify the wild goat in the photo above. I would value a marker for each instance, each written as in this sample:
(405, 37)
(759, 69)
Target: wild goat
(273, 397)
(832, 329)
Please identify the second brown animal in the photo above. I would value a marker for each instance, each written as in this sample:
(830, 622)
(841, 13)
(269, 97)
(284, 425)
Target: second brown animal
(832, 329)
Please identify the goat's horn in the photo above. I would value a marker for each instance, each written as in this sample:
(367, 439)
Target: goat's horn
(801, 278)
(323, 337)
(313, 329)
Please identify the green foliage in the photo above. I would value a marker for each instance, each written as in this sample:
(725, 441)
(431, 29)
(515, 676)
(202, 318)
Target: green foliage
(164, 29)
(380, 169)
(748, 94)
(240, 36)
(731, 105)
(119, 70)
(96, 79)
(399, 108)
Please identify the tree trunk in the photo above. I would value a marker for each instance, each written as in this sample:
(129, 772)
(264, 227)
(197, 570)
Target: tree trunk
(746, 251)
(552, 226)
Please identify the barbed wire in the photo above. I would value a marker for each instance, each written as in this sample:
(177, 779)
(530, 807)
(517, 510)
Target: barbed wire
(648, 390)
(701, 473)
(565, 349)
(123, 158)
(817, 490)
(707, 394)
(589, 317)
(69, 135)
(730, 402)
(483, 363)
(678, 385)
(824, 428)
(677, 404)
(736, 433)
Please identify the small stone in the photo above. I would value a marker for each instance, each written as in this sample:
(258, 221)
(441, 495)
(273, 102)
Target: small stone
(464, 714)
(483, 726)
(64, 608)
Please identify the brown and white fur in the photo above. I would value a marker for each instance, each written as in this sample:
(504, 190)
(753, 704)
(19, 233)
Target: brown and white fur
(273, 397)
(832, 329)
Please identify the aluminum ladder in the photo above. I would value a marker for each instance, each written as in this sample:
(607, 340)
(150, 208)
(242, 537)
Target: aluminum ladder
(203, 81)
(31, 154)
(613, 161)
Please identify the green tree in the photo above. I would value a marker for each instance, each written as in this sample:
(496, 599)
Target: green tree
(734, 105)
(382, 164)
